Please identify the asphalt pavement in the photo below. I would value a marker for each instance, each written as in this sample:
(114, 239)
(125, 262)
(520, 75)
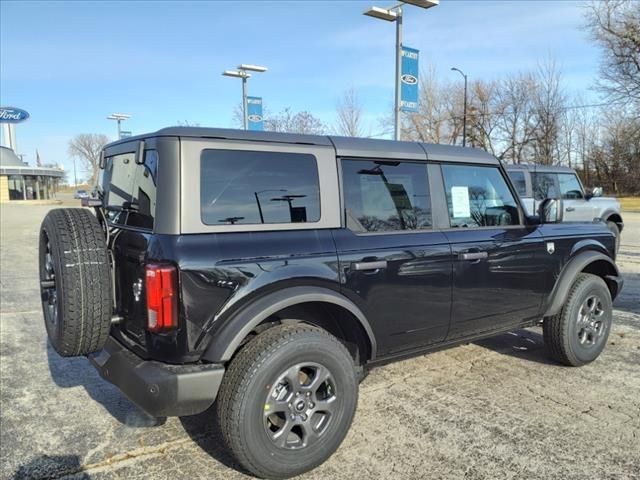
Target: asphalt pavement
(492, 409)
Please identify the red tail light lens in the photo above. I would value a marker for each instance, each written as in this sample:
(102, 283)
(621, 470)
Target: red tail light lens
(162, 297)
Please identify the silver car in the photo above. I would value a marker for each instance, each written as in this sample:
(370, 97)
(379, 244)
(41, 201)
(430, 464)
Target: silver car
(534, 183)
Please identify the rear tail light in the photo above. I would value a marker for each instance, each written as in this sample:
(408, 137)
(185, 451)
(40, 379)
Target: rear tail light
(162, 297)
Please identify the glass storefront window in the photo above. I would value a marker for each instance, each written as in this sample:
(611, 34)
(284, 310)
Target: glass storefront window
(16, 187)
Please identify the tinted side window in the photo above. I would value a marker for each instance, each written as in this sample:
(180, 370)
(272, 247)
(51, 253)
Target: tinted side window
(569, 186)
(517, 178)
(478, 197)
(250, 187)
(383, 196)
(544, 185)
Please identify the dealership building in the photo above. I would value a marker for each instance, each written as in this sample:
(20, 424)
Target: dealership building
(22, 182)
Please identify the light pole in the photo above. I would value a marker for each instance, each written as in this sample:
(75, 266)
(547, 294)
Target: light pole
(394, 14)
(464, 115)
(258, 200)
(241, 72)
(119, 117)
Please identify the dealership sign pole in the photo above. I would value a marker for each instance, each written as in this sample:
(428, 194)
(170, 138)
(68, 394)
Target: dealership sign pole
(406, 79)
(254, 113)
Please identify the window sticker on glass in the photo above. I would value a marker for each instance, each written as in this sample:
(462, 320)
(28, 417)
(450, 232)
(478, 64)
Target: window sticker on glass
(460, 202)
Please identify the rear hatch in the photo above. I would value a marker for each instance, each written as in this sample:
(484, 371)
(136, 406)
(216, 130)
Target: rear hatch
(130, 204)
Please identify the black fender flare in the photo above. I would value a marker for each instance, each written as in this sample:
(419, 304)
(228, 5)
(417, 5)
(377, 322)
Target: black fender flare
(568, 275)
(230, 336)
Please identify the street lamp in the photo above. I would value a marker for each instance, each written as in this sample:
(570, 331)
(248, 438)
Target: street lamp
(241, 72)
(464, 116)
(258, 200)
(119, 117)
(394, 14)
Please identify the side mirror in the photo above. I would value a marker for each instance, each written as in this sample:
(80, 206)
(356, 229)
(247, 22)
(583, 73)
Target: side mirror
(596, 192)
(550, 210)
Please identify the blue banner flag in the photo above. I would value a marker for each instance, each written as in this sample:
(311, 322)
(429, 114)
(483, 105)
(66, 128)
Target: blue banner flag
(409, 75)
(254, 113)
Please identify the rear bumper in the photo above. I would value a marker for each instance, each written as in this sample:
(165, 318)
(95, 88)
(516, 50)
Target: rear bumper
(160, 389)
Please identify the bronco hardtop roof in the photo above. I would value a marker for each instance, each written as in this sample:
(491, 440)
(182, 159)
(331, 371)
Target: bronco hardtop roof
(345, 146)
(539, 168)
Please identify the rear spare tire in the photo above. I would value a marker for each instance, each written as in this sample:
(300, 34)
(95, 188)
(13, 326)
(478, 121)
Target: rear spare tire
(75, 281)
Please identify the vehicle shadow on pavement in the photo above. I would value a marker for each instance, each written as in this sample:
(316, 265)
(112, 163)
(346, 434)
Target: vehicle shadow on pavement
(205, 432)
(629, 298)
(524, 344)
(74, 372)
(51, 466)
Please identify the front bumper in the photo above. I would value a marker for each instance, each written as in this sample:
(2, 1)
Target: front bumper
(160, 389)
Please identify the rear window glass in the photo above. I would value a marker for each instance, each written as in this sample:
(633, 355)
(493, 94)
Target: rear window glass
(251, 187)
(131, 197)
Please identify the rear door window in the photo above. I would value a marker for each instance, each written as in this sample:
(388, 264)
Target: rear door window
(478, 197)
(255, 187)
(384, 196)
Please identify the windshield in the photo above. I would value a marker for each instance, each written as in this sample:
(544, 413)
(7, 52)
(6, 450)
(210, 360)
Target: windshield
(130, 190)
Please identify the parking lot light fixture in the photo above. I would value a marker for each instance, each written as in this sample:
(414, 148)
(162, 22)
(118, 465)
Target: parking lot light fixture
(382, 14)
(253, 68)
(242, 72)
(119, 117)
(423, 3)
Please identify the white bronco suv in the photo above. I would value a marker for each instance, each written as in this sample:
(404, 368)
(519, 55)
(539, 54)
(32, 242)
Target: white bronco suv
(534, 183)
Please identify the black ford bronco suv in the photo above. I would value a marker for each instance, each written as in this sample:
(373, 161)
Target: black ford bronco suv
(270, 271)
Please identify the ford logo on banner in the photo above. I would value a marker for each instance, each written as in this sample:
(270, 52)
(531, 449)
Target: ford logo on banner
(12, 115)
(255, 118)
(409, 79)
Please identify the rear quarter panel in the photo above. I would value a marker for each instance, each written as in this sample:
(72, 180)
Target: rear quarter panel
(219, 272)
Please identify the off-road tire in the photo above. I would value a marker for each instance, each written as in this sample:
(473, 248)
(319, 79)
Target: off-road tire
(613, 226)
(562, 332)
(244, 393)
(74, 269)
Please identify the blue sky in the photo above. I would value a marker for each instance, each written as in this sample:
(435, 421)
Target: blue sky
(70, 64)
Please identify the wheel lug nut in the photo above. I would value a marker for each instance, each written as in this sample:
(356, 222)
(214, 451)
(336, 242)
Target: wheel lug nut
(308, 394)
(311, 405)
(304, 417)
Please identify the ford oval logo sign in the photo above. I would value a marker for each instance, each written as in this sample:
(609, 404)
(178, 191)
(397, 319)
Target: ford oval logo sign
(12, 115)
(255, 118)
(409, 79)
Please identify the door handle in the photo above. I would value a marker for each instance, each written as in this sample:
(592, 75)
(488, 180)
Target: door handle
(376, 265)
(472, 255)
(569, 209)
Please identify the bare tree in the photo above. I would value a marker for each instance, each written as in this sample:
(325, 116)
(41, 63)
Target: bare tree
(349, 113)
(86, 147)
(484, 111)
(515, 124)
(549, 104)
(615, 27)
(431, 123)
(300, 122)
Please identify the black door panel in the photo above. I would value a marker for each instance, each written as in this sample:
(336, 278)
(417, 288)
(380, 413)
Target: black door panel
(501, 284)
(402, 282)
